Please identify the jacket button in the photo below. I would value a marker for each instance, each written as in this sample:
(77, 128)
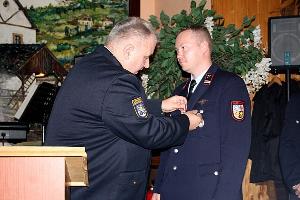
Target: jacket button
(297, 121)
(216, 173)
(174, 168)
(176, 151)
(134, 182)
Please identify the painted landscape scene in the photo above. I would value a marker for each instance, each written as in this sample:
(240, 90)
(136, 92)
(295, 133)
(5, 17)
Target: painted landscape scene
(75, 27)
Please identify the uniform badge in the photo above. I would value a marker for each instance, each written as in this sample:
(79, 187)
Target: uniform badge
(202, 101)
(208, 78)
(139, 107)
(238, 110)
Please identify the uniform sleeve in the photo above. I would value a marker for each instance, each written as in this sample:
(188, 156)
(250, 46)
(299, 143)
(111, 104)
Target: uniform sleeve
(289, 151)
(154, 107)
(126, 114)
(235, 127)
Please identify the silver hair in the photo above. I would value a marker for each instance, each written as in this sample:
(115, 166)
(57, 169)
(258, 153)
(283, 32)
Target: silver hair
(131, 27)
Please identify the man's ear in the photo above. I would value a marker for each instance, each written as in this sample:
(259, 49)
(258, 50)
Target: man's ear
(128, 50)
(205, 45)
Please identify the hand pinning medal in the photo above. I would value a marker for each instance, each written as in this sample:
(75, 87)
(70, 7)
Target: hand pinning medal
(200, 112)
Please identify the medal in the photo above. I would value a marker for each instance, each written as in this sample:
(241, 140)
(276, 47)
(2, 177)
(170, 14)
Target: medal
(202, 122)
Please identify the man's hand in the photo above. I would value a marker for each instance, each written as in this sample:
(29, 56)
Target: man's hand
(155, 196)
(195, 119)
(297, 190)
(174, 103)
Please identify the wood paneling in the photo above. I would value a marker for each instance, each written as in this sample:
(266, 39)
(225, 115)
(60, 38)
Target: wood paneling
(234, 11)
(32, 178)
(262, 191)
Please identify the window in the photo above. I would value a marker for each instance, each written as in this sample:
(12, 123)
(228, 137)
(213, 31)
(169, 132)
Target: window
(17, 38)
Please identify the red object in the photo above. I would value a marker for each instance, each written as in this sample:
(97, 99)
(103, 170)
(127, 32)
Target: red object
(149, 194)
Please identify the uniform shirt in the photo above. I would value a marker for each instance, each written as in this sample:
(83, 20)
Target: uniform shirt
(198, 80)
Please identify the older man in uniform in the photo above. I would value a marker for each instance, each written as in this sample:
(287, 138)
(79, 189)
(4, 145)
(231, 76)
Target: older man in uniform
(103, 107)
(211, 162)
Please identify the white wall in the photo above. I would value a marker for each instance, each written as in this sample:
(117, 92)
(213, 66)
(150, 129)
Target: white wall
(6, 34)
(13, 20)
(38, 3)
(170, 7)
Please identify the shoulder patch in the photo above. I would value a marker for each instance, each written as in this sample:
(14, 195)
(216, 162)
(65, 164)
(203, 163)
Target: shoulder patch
(238, 110)
(139, 107)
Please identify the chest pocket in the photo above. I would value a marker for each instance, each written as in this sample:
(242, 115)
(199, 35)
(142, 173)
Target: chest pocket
(206, 107)
(209, 110)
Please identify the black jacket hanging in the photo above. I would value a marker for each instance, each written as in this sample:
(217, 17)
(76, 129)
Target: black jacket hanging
(267, 123)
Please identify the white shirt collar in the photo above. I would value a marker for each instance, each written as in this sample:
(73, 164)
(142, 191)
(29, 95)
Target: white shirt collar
(198, 79)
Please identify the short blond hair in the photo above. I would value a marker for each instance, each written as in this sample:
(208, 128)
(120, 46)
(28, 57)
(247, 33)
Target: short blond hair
(202, 33)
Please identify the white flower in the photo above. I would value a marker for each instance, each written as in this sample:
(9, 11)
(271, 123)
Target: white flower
(209, 24)
(256, 78)
(227, 38)
(145, 79)
(247, 44)
(257, 36)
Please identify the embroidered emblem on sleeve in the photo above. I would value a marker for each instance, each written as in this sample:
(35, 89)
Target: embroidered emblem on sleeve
(238, 110)
(139, 107)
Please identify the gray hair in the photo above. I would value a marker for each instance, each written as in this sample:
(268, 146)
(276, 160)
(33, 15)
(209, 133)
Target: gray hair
(131, 27)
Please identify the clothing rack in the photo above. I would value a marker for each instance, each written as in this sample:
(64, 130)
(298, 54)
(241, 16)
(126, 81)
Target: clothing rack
(287, 70)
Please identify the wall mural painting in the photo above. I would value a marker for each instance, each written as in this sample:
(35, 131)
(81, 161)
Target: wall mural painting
(44, 37)
(72, 28)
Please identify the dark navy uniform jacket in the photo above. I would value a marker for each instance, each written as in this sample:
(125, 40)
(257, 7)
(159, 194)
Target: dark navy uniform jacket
(103, 108)
(289, 149)
(211, 162)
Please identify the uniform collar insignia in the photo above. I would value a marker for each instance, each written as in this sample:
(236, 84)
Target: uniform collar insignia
(186, 85)
(208, 78)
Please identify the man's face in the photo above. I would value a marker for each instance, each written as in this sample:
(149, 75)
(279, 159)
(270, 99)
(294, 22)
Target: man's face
(139, 55)
(189, 51)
